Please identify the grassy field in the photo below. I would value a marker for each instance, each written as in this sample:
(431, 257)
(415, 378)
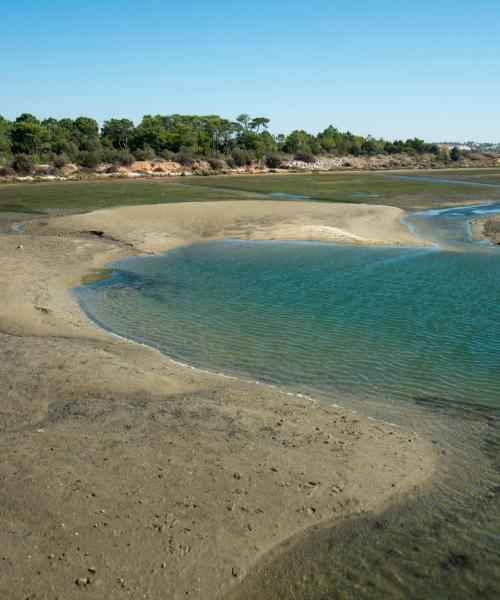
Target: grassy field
(373, 187)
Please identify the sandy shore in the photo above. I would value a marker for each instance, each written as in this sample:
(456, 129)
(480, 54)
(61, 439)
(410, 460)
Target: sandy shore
(131, 476)
(487, 228)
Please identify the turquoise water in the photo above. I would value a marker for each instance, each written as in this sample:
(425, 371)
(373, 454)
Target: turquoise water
(17, 227)
(364, 195)
(353, 321)
(287, 196)
(407, 334)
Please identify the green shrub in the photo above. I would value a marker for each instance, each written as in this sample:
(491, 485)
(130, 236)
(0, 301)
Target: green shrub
(146, 153)
(91, 145)
(455, 153)
(108, 155)
(185, 158)
(88, 160)
(274, 160)
(167, 155)
(217, 164)
(24, 164)
(305, 156)
(7, 172)
(60, 161)
(242, 158)
(124, 158)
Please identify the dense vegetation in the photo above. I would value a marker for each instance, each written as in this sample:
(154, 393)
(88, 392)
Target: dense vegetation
(27, 141)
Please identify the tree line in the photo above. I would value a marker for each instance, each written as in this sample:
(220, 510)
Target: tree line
(27, 141)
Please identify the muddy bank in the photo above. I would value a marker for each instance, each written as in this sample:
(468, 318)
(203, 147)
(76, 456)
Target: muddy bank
(487, 228)
(127, 474)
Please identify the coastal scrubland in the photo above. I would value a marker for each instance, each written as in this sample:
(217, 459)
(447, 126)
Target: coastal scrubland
(174, 145)
(28, 141)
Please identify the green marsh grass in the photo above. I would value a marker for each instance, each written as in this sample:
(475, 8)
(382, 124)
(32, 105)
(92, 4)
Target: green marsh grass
(383, 188)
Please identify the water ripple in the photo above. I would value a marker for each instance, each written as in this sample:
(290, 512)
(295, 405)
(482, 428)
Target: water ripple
(407, 335)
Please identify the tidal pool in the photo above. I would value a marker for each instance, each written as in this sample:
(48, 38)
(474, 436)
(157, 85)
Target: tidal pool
(407, 334)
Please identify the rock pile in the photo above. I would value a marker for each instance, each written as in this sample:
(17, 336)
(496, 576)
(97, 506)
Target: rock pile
(323, 164)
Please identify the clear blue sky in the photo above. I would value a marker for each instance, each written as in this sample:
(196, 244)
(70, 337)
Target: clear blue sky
(390, 68)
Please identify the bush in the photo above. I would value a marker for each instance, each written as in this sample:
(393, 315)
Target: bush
(112, 169)
(455, 153)
(88, 160)
(167, 155)
(60, 161)
(146, 153)
(108, 155)
(305, 156)
(84, 170)
(117, 157)
(46, 158)
(185, 158)
(7, 172)
(24, 164)
(217, 164)
(242, 158)
(91, 145)
(124, 158)
(68, 149)
(274, 160)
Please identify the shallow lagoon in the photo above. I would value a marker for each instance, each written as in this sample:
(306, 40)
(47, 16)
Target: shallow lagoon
(357, 321)
(406, 334)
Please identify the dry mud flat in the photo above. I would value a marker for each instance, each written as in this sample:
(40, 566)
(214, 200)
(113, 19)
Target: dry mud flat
(124, 474)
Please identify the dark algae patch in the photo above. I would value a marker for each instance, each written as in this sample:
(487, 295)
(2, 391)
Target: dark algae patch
(96, 276)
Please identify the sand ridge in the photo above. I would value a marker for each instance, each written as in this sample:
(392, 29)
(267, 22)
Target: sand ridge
(158, 227)
(129, 475)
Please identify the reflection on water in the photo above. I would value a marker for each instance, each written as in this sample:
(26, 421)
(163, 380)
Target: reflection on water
(287, 196)
(406, 334)
(364, 195)
(17, 227)
(352, 321)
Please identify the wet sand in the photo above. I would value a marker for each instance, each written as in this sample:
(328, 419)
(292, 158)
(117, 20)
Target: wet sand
(487, 228)
(130, 475)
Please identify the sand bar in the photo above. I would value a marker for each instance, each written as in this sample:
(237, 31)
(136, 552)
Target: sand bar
(129, 475)
(487, 228)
